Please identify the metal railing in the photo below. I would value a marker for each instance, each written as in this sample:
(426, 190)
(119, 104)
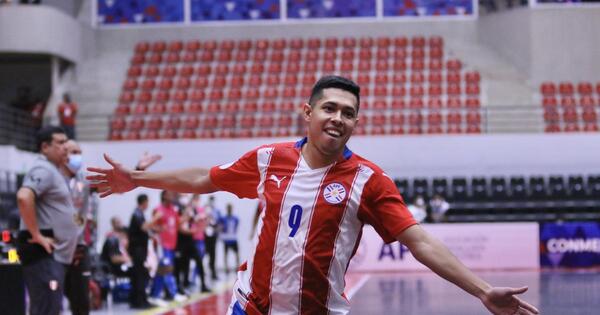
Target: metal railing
(17, 128)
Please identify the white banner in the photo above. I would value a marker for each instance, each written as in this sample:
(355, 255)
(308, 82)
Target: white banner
(477, 245)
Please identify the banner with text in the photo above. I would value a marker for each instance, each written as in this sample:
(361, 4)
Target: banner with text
(570, 244)
(477, 245)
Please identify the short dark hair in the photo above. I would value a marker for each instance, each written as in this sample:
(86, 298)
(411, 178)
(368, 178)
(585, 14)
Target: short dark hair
(45, 135)
(141, 198)
(334, 81)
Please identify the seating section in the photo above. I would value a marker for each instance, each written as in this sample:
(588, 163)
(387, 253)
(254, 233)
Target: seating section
(511, 198)
(255, 88)
(570, 107)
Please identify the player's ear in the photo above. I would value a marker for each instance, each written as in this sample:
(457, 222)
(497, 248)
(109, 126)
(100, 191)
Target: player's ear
(306, 111)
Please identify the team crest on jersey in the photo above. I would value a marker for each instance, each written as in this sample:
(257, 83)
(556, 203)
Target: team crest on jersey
(334, 193)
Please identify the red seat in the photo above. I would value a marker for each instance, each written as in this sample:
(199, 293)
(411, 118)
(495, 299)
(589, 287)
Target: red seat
(169, 71)
(225, 56)
(572, 127)
(210, 122)
(158, 108)
(417, 78)
(264, 133)
(247, 121)
(363, 79)
(381, 90)
(296, 43)
(454, 118)
(174, 122)
(473, 77)
(380, 105)
(383, 54)
(417, 65)
(155, 123)
(551, 115)
(589, 115)
(453, 65)
(122, 110)
(197, 95)
(417, 54)
(186, 71)
(283, 132)
(349, 42)
(473, 118)
(140, 109)
(590, 127)
(142, 47)
(219, 82)
(435, 65)
(548, 88)
(549, 101)
(284, 120)
(177, 107)
(472, 89)
(268, 107)
(378, 119)
(568, 102)
(173, 57)
(169, 134)
(418, 41)
(279, 44)
(130, 85)
(207, 56)
(566, 88)
(472, 103)
(175, 46)
(115, 135)
(183, 83)
(289, 92)
(162, 96)
(191, 122)
(206, 134)
(213, 108)
(453, 78)
(314, 43)
(148, 84)
(436, 41)
(118, 123)
(587, 101)
(203, 70)
(397, 103)
(265, 121)
(384, 42)
(570, 116)
(195, 107)
(132, 135)
(251, 107)
(136, 123)
(552, 128)
(189, 134)
(144, 97)
(435, 103)
(453, 89)
(415, 118)
(435, 90)
(237, 81)
(366, 42)
(234, 94)
(434, 118)
(241, 56)
(473, 129)
(244, 44)
(231, 108)
(134, 71)
(416, 91)
(192, 46)
(138, 59)
(454, 129)
(222, 69)
(228, 121)
(399, 65)
(155, 59)
(398, 91)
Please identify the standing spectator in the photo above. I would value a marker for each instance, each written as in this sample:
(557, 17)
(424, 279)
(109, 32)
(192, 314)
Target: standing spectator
(138, 250)
(79, 271)
(229, 229)
(212, 233)
(439, 206)
(48, 232)
(168, 222)
(67, 111)
(199, 221)
(185, 249)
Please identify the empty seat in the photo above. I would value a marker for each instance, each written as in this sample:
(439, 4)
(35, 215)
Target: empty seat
(479, 188)
(439, 186)
(459, 189)
(420, 188)
(576, 187)
(498, 188)
(556, 187)
(537, 187)
(518, 188)
(402, 185)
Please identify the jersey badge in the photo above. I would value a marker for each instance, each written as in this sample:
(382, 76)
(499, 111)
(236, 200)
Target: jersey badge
(334, 193)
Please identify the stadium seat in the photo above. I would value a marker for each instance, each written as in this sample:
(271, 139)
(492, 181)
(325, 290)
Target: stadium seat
(479, 189)
(459, 189)
(566, 88)
(537, 188)
(439, 186)
(498, 189)
(403, 188)
(420, 188)
(142, 47)
(518, 188)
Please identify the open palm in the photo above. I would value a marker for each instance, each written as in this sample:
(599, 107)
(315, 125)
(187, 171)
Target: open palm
(503, 301)
(111, 180)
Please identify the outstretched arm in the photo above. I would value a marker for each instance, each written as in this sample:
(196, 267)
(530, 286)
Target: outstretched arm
(435, 255)
(120, 179)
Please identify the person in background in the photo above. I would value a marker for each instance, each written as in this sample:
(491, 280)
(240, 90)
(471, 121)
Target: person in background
(229, 228)
(418, 209)
(439, 206)
(185, 249)
(114, 250)
(168, 225)
(138, 250)
(48, 233)
(67, 112)
(211, 234)
(199, 222)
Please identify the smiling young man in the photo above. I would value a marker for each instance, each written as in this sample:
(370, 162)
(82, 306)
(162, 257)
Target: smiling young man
(317, 195)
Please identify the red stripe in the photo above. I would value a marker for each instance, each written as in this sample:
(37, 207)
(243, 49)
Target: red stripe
(322, 233)
(282, 162)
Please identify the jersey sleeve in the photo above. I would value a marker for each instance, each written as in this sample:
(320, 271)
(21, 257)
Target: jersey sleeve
(39, 180)
(240, 178)
(384, 209)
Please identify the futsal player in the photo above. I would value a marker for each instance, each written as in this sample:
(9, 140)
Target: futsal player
(317, 195)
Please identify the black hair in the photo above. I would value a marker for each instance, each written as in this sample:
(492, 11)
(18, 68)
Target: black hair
(141, 198)
(163, 195)
(334, 81)
(45, 135)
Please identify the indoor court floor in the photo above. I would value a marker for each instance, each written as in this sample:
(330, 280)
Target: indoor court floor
(554, 292)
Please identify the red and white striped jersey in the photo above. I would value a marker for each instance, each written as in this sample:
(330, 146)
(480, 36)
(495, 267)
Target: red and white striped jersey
(310, 226)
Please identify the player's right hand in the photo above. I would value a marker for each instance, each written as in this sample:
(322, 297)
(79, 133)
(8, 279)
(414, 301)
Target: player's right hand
(46, 242)
(111, 180)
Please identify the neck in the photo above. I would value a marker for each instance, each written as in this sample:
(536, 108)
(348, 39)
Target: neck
(315, 158)
(66, 171)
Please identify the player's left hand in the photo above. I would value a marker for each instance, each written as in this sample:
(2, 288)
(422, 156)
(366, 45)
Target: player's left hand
(503, 301)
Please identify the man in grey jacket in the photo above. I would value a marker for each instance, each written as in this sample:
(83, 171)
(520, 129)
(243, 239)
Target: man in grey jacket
(48, 227)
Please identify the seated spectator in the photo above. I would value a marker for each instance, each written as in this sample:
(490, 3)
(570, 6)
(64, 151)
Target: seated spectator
(439, 206)
(418, 209)
(114, 251)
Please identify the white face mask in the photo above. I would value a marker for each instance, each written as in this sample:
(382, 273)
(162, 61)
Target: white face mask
(75, 162)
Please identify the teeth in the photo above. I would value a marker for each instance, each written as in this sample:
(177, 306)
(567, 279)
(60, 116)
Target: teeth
(334, 133)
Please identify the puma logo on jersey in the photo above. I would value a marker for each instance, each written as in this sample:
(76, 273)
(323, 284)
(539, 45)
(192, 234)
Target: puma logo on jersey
(277, 180)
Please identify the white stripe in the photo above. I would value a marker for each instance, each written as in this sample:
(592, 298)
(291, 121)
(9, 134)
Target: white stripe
(346, 240)
(263, 159)
(289, 252)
